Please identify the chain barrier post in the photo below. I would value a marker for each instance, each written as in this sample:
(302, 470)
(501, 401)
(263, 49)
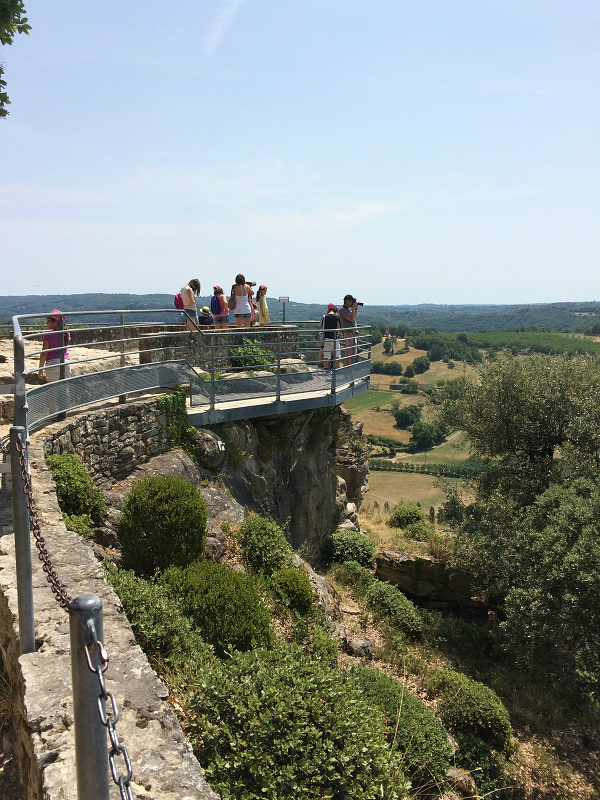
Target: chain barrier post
(85, 622)
(22, 540)
(122, 397)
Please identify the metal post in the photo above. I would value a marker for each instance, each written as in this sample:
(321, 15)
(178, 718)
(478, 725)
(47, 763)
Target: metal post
(20, 405)
(61, 329)
(278, 374)
(334, 367)
(122, 397)
(22, 544)
(91, 748)
(212, 383)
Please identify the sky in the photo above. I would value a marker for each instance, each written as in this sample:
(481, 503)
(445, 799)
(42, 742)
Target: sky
(406, 151)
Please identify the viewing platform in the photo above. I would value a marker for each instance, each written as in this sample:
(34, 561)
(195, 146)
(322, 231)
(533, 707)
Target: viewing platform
(228, 374)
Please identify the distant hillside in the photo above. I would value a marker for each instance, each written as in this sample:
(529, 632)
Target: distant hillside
(469, 318)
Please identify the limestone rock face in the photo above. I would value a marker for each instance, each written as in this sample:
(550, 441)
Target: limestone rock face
(424, 577)
(326, 598)
(309, 468)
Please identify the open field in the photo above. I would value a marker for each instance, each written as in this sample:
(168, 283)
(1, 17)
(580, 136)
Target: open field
(370, 399)
(391, 487)
(455, 450)
(439, 370)
(382, 423)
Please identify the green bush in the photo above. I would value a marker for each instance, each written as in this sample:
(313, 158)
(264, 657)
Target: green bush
(486, 767)
(388, 603)
(281, 725)
(250, 354)
(418, 530)
(160, 627)
(264, 546)
(163, 524)
(351, 546)
(76, 492)
(469, 707)
(353, 574)
(80, 523)
(412, 728)
(315, 640)
(292, 587)
(224, 605)
(405, 514)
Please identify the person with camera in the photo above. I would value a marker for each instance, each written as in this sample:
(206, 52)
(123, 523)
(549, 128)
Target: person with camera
(347, 314)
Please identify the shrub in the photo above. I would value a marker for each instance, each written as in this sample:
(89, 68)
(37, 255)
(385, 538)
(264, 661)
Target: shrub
(407, 416)
(76, 491)
(80, 523)
(486, 767)
(412, 727)
(161, 629)
(387, 602)
(280, 724)
(264, 546)
(315, 640)
(469, 707)
(292, 587)
(224, 605)
(163, 524)
(351, 546)
(405, 514)
(250, 354)
(419, 530)
(351, 573)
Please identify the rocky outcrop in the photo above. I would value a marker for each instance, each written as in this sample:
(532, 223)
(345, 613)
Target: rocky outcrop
(425, 578)
(309, 469)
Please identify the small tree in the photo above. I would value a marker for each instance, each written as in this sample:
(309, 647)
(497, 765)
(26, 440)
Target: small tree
(407, 416)
(409, 372)
(421, 364)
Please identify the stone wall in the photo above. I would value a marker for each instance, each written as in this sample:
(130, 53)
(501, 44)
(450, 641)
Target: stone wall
(163, 763)
(113, 441)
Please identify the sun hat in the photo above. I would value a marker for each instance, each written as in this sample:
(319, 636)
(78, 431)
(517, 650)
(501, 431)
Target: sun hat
(55, 314)
(262, 286)
(205, 310)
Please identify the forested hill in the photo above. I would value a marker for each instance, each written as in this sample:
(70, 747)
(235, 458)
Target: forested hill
(557, 316)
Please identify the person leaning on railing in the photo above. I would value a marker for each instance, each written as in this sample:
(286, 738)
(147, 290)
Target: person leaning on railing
(348, 321)
(50, 357)
(330, 322)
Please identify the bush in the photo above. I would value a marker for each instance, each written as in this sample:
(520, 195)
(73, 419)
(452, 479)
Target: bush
(161, 629)
(250, 354)
(412, 728)
(292, 587)
(421, 364)
(405, 514)
(420, 531)
(80, 523)
(163, 524)
(407, 416)
(224, 605)
(76, 491)
(351, 546)
(469, 707)
(387, 602)
(486, 767)
(353, 574)
(315, 641)
(264, 546)
(280, 724)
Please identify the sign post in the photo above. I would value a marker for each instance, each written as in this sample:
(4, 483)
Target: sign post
(284, 300)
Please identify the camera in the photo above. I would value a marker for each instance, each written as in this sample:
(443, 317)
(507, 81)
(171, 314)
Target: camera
(359, 304)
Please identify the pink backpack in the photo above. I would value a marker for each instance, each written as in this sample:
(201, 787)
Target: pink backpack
(178, 301)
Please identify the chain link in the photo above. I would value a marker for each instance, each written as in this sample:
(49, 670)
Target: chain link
(58, 587)
(109, 721)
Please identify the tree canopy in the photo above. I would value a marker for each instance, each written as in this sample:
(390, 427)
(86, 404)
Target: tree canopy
(12, 21)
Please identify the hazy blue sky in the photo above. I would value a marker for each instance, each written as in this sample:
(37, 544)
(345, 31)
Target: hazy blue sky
(406, 150)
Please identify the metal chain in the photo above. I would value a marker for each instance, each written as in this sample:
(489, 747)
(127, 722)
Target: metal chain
(58, 587)
(109, 721)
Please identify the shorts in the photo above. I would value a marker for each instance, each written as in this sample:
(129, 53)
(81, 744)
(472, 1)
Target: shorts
(349, 342)
(222, 318)
(242, 316)
(189, 314)
(328, 349)
(52, 370)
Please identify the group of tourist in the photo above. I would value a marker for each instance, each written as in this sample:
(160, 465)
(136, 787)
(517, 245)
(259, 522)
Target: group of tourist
(247, 310)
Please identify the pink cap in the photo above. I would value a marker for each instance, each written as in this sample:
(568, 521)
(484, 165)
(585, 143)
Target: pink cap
(331, 305)
(55, 314)
(218, 286)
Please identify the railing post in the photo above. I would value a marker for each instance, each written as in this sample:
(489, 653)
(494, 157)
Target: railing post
(122, 397)
(212, 384)
(22, 541)
(61, 374)
(91, 748)
(20, 400)
(278, 374)
(334, 367)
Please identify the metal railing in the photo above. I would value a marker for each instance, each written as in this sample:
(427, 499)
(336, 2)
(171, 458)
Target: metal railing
(225, 369)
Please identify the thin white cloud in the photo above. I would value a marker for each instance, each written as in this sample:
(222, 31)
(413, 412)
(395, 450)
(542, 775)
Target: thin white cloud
(221, 25)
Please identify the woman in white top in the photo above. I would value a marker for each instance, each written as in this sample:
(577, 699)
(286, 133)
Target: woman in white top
(241, 295)
(189, 293)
